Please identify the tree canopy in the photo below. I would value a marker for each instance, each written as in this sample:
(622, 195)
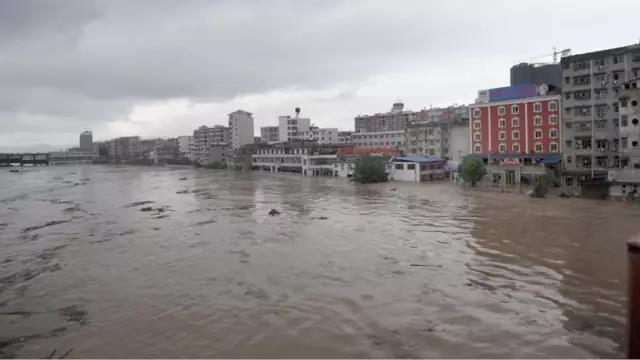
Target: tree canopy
(472, 170)
(370, 169)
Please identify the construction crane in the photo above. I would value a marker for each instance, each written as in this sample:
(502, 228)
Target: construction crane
(555, 53)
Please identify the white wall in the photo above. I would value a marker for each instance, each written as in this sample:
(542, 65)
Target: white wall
(405, 175)
(303, 125)
(459, 142)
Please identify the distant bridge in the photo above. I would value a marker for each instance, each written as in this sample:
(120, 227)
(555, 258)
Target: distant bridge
(8, 159)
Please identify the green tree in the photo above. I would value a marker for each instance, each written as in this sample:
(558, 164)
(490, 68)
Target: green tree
(370, 169)
(540, 186)
(472, 170)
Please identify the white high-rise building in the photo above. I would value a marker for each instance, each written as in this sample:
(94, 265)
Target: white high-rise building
(294, 128)
(241, 125)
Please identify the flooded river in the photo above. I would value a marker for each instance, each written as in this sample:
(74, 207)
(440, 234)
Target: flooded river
(176, 262)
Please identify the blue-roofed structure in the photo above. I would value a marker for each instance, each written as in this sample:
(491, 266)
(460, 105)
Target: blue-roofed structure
(416, 158)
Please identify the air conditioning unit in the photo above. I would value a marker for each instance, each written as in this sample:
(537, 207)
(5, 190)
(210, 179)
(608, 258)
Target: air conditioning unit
(603, 83)
(615, 82)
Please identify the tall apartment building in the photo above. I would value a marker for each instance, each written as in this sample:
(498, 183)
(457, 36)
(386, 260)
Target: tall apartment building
(517, 120)
(205, 137)
(124, 149)
(443, 133)
(591, 112)
(293, 128)
(394, 120)
(270, 134)
(241, 128)
(185, 146)
(86, 141)
(625, 180)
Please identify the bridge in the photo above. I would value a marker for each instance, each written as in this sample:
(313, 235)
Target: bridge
(12, 159)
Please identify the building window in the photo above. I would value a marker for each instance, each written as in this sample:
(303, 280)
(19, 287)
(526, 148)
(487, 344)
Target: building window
(537, 107)
(476, 136)
(537, 120)
(553, 147)
(502, 135)
(616, 59)
(553, 120)
(476, 124)
(538, 147)
(515, 135)
(515, 109)
(501, 110)
(515, 122)
(477, 148)
(553, 106)
(537, 134)
(476, 113)
(515, 148)
(502, 147)
(411, 166)
(553, 133)
(502, 123)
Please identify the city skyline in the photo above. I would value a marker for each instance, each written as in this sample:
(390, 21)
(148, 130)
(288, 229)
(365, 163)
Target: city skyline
(97, 77)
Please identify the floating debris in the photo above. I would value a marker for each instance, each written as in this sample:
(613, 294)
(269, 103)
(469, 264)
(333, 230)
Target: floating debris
(274, 212)
(47, 224)
(205, 222)
(182, 192)
(73, 313)
(148, 208)
(183, 178)
(138, 203)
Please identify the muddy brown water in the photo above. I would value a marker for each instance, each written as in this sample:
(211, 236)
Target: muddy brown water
(345, 270)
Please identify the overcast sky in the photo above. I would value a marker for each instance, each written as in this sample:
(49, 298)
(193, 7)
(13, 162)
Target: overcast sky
(164, 67)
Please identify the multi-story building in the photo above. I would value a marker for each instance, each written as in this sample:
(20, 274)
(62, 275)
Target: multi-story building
(124, 149)
(241, 128)
(444, 134)
(344, 137)
(394, 120)
(297, 158)
(625, 180)
(322, 135)
(204, 137)
(86, 141)
(185, 146)
(591, 117)
(517, 121)
(293, 128)
(416, 168)
(378, 139)
(270, 134)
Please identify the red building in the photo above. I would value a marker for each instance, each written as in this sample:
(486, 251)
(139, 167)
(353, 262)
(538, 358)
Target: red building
(518, 126)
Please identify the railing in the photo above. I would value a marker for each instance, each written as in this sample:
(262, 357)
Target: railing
(633, 311)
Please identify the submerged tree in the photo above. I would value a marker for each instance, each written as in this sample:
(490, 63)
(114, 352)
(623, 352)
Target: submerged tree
(472, 170)
(540, 186)
(370, 169)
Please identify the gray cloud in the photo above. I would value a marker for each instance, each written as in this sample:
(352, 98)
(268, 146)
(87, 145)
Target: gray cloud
(73, 64)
